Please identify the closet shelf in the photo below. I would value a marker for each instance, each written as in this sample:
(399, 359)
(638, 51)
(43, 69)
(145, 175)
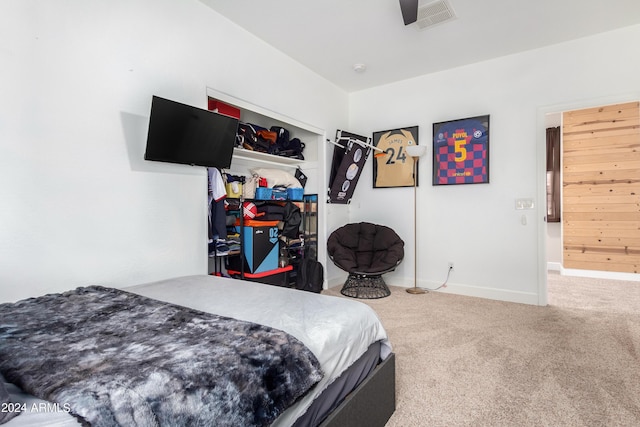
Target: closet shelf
(256, 156)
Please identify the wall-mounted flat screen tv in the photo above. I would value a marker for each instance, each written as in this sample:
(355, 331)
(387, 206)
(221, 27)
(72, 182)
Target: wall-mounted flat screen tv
(179, 133)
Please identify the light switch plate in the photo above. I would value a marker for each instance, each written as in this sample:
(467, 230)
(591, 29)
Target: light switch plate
(524, 204)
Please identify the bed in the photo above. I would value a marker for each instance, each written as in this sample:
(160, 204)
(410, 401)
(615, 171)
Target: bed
(352, 384)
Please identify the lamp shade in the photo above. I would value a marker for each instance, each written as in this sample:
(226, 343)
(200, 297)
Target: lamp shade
(416, 150)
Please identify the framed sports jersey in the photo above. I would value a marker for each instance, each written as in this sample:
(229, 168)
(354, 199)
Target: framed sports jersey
(461, 151)
(392, 167)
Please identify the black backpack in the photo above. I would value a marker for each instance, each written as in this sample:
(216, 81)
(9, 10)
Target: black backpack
(310, 276)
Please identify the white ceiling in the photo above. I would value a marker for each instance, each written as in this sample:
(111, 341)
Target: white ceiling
(330, 36)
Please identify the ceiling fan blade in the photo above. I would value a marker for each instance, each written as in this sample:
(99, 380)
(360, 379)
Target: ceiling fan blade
(409, 11)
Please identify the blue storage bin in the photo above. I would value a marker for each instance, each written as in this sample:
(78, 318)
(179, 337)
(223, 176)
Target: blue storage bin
(264, 193)
(295, 193)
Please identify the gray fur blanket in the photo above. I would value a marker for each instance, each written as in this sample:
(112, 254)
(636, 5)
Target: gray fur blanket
(117, 358)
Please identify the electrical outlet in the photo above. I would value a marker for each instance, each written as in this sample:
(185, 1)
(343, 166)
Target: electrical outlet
(450, 265)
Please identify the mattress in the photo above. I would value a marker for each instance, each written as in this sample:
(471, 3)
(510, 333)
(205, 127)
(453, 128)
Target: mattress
(338, 331)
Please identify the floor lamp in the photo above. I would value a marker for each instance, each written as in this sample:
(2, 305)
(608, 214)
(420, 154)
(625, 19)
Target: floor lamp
(415, 152)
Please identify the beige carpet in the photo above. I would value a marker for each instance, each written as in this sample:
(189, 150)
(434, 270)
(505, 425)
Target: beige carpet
(465, 361)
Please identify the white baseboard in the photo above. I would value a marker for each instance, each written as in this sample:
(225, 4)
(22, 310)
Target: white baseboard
(335, 281)
(554, 266)
(503, 294)
(460, 289)
(607, 275)
(490, 293)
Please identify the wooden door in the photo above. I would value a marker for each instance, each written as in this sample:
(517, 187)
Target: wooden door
(601, 188)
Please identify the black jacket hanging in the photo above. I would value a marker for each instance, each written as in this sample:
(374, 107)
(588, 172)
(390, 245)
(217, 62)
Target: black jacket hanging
(292, 219)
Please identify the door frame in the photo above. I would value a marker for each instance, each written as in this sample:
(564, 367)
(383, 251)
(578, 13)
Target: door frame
(541, 187)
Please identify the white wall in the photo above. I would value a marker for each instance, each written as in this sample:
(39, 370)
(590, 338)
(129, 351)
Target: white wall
(477, 226)
(78, 204)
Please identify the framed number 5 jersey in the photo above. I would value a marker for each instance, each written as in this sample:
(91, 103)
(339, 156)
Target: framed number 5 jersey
(392, 167)
(461, 151)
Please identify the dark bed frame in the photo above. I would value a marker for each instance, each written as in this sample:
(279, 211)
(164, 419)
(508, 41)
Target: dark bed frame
(372, 403)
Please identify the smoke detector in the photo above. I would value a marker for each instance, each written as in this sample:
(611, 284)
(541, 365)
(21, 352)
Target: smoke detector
(359, 68)
(434, 13)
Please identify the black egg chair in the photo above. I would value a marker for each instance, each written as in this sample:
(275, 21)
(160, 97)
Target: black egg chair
(366, 251)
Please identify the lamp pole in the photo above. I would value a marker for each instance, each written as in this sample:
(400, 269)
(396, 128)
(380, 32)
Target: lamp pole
(415, 289)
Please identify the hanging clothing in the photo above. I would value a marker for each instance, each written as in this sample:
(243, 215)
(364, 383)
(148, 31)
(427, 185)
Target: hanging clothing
(217, 214)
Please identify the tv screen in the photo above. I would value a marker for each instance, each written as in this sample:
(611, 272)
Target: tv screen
(179, 133)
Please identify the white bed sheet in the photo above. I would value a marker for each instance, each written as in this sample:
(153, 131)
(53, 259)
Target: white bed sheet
(338, 331)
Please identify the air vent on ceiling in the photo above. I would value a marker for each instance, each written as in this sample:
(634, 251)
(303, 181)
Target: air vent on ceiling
(434, 13)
